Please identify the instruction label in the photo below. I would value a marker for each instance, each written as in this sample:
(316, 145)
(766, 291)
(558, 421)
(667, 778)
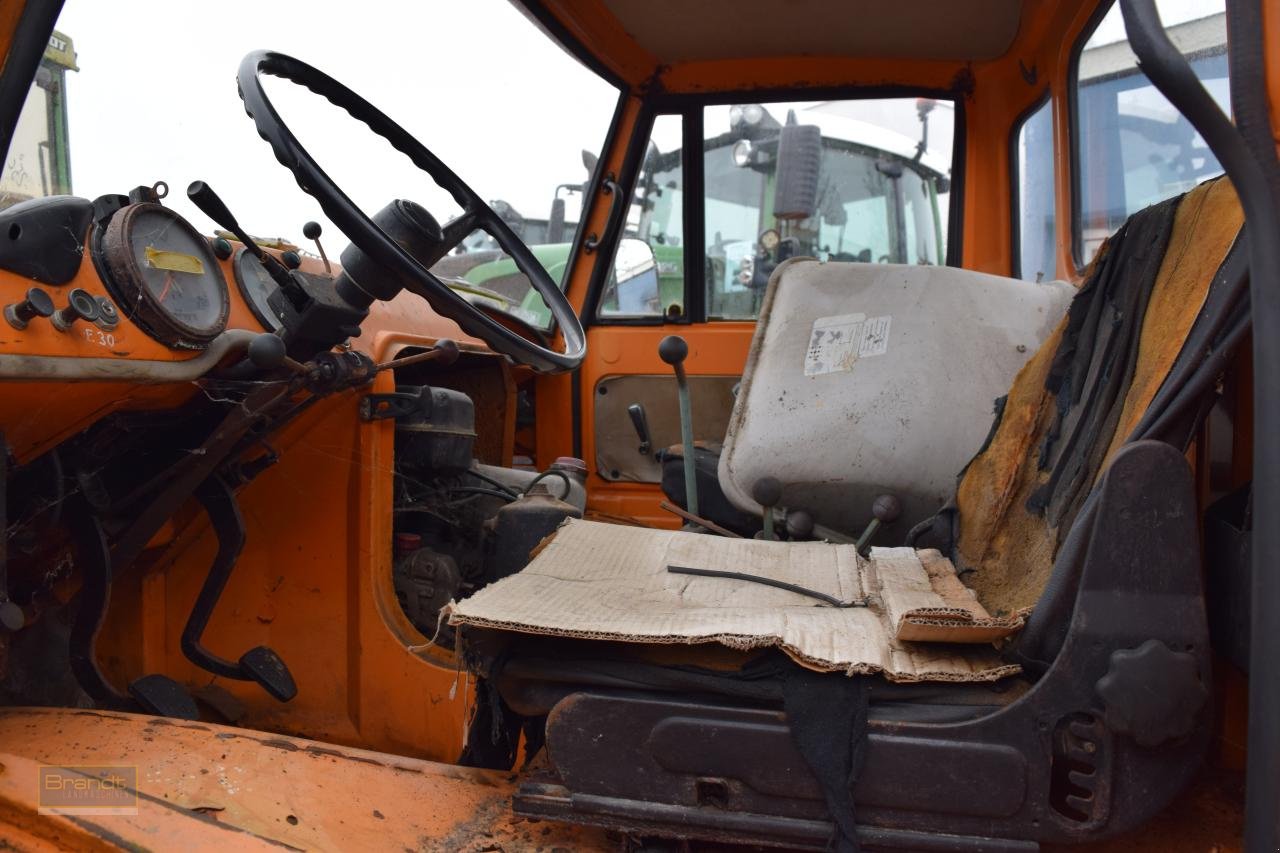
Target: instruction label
(836, 343)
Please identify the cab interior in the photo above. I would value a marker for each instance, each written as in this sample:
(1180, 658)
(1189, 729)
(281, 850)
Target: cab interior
(978, 288)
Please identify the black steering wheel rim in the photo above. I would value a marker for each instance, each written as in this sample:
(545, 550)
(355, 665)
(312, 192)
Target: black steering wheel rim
(361, 230)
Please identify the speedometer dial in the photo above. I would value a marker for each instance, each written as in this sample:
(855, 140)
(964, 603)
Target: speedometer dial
(164, 276)
(256, 286)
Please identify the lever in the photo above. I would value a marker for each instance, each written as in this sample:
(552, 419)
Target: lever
(260, 664)
(799, 524)
(267, 352)
(885, 509)
(641, 423)
(445, 351)
(203, 197)
(36, 304)
(311, 231)
(674, 350)
(80, 306)
(767, 491)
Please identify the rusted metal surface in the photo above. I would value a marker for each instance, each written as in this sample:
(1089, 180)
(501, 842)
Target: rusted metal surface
(208, 786)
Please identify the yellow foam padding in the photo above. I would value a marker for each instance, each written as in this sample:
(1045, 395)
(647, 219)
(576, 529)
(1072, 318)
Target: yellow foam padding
(1011, 550)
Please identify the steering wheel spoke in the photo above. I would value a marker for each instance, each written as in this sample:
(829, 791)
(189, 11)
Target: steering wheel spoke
(404, 269)
(457, 229)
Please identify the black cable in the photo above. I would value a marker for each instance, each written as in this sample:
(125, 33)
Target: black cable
(480, 490)
(789, 587)
(492, 481)
(568, 484)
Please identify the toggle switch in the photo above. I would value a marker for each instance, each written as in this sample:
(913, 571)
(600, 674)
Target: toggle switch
(37, 304)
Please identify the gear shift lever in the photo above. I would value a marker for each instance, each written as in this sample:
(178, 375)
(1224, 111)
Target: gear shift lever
(673, 350)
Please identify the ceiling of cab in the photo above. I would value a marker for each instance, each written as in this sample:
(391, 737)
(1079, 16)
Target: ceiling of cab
(675, 31)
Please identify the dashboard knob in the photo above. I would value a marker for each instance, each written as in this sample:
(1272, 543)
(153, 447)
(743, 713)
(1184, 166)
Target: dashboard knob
(37, 304)
(80, 306)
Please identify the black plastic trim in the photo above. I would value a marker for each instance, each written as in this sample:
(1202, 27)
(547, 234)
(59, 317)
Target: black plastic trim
(627, 175)
(26, 48)
(1015, 186)
(695, 223)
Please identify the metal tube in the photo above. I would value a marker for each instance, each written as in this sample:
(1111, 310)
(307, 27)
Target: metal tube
(686, 438)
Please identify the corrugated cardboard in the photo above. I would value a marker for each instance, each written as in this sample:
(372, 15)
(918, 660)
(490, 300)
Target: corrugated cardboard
(601, 581)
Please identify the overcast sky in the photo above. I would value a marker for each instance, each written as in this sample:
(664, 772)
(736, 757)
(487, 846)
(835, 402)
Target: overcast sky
(477, 82)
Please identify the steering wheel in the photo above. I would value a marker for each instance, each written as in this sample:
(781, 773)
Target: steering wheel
(381, 248)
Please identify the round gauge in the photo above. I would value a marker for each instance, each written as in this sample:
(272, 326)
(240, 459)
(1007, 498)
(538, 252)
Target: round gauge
(164, 276)
(769, 240)
(256, 286)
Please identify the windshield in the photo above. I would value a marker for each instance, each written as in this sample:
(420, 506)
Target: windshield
(130, 96)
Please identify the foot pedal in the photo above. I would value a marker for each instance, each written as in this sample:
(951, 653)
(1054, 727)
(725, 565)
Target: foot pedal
(264, 666)
(160, 694)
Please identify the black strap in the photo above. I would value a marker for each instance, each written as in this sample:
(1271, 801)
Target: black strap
(827, 714)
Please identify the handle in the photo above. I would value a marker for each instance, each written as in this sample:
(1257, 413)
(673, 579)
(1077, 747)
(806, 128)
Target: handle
(610, 188)
(641, 423)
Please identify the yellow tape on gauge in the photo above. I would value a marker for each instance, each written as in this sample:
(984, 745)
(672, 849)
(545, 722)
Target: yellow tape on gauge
(162, 259)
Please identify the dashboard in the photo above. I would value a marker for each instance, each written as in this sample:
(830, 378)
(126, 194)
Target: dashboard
(119, 302)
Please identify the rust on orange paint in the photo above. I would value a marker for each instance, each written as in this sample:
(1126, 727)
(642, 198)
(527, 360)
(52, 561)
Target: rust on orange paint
(210, 787)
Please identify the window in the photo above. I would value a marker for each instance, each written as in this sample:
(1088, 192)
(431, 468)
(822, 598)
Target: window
(1133, 147)
(1035, 237)
(863, 180)
(647, 275)
(102, 119)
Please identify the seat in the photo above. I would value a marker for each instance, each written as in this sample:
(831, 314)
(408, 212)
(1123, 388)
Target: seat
(1077, 512)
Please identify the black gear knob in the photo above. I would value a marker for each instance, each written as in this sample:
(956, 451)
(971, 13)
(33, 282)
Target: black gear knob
(673, 349)
(886, 508)
(311, 230)
(767, 491)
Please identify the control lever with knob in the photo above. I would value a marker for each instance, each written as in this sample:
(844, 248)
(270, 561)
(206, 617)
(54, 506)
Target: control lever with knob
(641, 423)
(674, 350)
(767, 492)
(268, 352)
(203, 197)
(80, 306)
(885, 509)
(36, 304)
(311, 231)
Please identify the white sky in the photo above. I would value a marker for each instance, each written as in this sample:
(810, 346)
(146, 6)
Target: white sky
(1111, 27)
(155, 99)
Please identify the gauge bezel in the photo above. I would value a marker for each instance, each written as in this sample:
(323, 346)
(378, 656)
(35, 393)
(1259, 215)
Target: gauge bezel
(269, 322)
(124, 280)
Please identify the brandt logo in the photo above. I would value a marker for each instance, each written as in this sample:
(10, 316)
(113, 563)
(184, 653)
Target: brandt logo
(98, 789)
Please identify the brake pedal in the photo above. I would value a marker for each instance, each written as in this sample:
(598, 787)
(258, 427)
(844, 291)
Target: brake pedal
(264, 666)
(161, 695)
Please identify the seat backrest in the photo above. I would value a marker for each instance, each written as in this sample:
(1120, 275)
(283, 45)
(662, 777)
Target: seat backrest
(1093, 383)
(871, 378)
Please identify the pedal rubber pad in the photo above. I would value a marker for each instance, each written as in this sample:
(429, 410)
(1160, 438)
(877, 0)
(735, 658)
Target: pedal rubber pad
(160, 694)
(264, 666)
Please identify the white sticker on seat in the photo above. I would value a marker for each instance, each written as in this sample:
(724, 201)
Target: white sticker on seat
(836, 343)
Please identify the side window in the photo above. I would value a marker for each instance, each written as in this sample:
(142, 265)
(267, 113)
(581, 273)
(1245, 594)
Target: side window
(647, 274)
(860, 180)
(1134, 148)
(1034, 196)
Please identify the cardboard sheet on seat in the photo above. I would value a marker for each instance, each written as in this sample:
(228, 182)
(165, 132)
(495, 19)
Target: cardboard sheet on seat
(607, 582)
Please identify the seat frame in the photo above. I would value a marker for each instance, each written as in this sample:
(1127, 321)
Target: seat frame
(1057, 763)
